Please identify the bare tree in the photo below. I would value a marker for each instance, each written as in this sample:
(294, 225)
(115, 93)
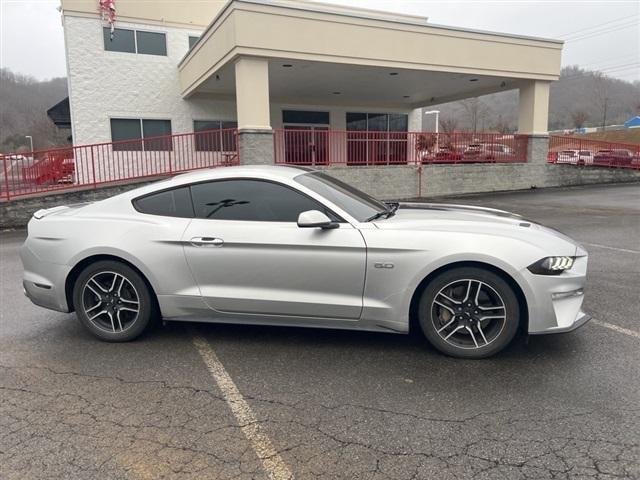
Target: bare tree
(578, 118)
(449, 124)
(501, 125)
(476, 111)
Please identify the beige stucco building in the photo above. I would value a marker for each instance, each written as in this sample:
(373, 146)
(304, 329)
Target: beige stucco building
(180, 66)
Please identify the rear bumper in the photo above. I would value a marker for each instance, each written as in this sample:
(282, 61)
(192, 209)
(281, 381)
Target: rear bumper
(43, 282)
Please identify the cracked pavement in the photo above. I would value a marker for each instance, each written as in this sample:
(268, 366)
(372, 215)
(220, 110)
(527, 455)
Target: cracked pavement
(336, 404)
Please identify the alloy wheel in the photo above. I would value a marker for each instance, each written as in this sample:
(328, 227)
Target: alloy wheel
(468, 314)
(110, 302)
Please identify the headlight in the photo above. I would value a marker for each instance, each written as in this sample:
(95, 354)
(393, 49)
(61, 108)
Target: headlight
(552, 265)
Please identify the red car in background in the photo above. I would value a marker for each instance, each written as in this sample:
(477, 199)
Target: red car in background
(615, 157)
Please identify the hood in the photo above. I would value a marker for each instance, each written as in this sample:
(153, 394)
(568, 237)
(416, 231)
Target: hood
(470, 219)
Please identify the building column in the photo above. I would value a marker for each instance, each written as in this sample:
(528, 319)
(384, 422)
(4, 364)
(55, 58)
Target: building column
(255, 136)
(533, 119)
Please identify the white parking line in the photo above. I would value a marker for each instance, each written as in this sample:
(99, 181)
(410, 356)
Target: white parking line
(607, 247)
(260, 442)
(616, 328)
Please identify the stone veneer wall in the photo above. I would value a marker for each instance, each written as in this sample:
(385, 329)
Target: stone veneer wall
(386, 182)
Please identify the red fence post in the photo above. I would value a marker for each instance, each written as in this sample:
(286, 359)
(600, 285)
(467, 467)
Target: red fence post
(6, 176)
(170, 149)
(93, 169)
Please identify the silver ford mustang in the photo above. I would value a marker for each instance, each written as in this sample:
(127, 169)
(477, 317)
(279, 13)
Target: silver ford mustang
(294, 246)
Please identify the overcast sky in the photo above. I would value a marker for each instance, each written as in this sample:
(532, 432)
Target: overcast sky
(602, 35)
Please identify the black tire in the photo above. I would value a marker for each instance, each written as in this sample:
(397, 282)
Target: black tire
(120, 323)
(469, 319)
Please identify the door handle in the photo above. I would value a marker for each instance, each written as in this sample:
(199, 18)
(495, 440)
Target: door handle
(206, 242)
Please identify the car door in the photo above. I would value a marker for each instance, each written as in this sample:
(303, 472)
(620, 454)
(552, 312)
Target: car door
(248, 254)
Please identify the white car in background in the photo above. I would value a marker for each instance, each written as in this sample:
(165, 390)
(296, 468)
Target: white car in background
(576, 157)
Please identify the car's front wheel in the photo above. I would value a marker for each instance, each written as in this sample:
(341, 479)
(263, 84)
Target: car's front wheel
(469, 312)
(113, 301)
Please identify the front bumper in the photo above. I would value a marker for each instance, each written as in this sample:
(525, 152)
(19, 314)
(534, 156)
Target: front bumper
(580, 321)
(555, 302)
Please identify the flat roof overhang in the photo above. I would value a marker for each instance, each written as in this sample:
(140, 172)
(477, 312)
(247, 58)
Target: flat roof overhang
(355, 53)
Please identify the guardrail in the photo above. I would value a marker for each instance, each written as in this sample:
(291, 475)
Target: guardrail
(319, 146)
(103, 164)
(573, 150)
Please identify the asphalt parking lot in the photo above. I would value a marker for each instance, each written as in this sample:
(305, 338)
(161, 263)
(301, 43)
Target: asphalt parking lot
(222, 402)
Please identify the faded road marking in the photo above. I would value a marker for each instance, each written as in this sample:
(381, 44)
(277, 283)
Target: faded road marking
(271, 460)
(626, 250)
(616, 328)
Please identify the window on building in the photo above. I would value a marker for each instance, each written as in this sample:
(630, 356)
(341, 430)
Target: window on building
(126, 134)
(132, 41)
(123, 40)
(151, 43)
(157, 128)
(192, 41)
(250, 200)
(215, 135)
(170, 203)
(132, 134)
(377, 138)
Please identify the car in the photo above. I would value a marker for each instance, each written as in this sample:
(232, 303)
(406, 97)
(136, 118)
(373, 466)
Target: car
(444, 154)
(575, 157)
(616, 157)
(585, 157)
(293, 246)
(567, 156)
(488, 152)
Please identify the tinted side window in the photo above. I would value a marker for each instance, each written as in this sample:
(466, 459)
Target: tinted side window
(250, 200)
(170, 203)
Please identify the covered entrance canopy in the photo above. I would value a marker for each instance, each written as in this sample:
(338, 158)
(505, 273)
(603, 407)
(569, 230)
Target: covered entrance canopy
(292, 52)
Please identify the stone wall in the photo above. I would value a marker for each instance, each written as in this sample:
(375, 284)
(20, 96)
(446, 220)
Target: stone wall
(17, 212)
(386, 182)
(403, 181)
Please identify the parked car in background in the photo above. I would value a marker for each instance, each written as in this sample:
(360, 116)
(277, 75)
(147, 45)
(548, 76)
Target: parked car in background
(444, 154)
(585, 157)
(488, 152)
(292, 246)
(568, 156)
(575, 157)
(613, 157)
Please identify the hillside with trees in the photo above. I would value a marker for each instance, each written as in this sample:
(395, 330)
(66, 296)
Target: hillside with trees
(581, 98)
(24, 102)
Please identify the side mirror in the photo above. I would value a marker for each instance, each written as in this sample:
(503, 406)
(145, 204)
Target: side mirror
(315, 219)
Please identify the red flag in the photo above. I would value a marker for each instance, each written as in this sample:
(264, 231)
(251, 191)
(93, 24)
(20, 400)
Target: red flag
(108, 13)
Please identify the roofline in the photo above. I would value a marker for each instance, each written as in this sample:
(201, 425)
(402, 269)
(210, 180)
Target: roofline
(361, 13)
(394, 17)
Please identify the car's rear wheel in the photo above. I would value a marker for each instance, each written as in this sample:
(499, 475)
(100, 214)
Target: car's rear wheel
(469, 312)
(113, 301)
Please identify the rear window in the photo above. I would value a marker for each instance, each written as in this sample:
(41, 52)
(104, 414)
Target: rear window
(169, 203)
(585, 152)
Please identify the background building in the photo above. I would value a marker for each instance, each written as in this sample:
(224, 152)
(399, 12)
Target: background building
(178, 67)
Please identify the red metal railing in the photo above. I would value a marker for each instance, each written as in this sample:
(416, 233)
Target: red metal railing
(573, 150)
(115, 162)
(336, 147)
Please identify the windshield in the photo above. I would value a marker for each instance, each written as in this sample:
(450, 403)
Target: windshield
(356, 203)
